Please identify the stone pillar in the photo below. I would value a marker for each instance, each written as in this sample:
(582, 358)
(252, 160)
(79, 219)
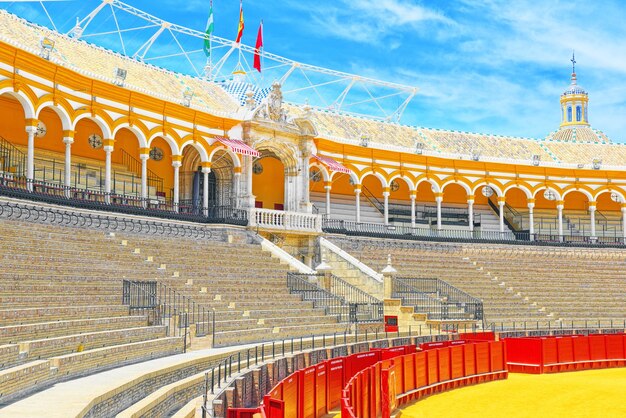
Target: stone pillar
(249, 196)
(30, 155)
(357, 192)
(236, 201)
(531, 219)
(592, 215)
(413, 197)
(144, 156)
(386, 204)
(327, 187)
(559, 209)
(624, 220)
(439, 199)
(176, 163)
(470, 212)
(206, 169)
(67, 183)
(327, 271)
(501, 203)
(388, 274)
(108, 149)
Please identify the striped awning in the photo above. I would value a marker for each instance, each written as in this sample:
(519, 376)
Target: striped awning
(238, 147)
(332, 164)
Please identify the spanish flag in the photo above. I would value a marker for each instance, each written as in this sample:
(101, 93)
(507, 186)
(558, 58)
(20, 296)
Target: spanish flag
(241, 25)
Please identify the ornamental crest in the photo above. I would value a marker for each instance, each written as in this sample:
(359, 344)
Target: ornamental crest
(273, 109)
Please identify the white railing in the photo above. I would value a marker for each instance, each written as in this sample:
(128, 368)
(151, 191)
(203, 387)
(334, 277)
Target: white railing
(289, 221)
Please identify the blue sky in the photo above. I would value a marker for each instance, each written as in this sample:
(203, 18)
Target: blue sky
(481, 65)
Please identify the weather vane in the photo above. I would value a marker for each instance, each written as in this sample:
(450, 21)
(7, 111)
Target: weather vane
(573, 63)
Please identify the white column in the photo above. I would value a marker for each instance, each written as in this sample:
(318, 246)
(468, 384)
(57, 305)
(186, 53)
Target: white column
(236, 189)
(470, 213)
(592, 215)
(30, 157)
(413, 196)
(205, 190)
(386, 206)
(327, 187)
(108, 149)
(439, 199)
(501, 203)
(68, 165)
(624, 222)
(144, 178)
(176, 165)
(559, 209)
(531, 220)
(357, 192)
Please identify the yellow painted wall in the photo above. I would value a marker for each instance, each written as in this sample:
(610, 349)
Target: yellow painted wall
(269, 186)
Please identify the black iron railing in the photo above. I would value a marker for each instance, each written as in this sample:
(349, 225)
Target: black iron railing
(333, 305)
(406, 232)
(347, 302)
(12, 160)
(167, 306)
(438, 299)
(363, 306)
(153, 181)
(55, 193)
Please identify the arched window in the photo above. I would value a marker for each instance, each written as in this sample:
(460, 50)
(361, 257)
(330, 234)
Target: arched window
(579, 113)
(569, 113)
(586, 117)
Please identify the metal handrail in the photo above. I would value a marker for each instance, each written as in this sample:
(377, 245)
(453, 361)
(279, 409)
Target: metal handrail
(55, 193)
(168, 307)
(349, 303)
(134, 165)
(438, 299)
(12, 157)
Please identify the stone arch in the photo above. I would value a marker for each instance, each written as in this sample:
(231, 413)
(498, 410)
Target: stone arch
(23, 99)
(522, 187)
(458, 182)
(608, 189)
(215, 150)
(139, 133)
(410, 184)
(380, 176)
(482, 183)
(199, 148)
(326, 175)
(98, 120)
(577, 188)
(287, 153)
(170, 141)
(61, 112)
(543, 187)
(434, 183)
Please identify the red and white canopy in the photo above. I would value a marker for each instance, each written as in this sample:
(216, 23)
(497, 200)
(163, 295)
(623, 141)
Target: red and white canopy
(238, 147)
(332, 164)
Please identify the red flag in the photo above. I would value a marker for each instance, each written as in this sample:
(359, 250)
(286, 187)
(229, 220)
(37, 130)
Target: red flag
(257, 48)
(241, 25)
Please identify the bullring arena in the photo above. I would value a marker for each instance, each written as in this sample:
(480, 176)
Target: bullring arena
(193, 245)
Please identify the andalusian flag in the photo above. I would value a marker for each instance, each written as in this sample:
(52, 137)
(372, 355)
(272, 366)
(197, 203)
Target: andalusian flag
(208, 33)
(241, 25)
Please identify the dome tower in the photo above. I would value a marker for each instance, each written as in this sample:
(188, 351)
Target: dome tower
(574, 103)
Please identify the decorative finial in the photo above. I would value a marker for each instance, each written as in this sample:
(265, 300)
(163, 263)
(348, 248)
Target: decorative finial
(573, 60)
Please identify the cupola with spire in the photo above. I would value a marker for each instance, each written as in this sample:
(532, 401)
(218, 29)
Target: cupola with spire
(574, 103)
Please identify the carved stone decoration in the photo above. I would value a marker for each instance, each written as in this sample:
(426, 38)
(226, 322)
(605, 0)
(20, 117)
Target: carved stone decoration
(273, 106)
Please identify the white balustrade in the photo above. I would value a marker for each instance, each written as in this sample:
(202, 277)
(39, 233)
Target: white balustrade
(290, 221)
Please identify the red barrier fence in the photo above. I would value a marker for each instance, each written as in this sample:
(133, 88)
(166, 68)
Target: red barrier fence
(565, 353)
(314, 391)
(412, 376)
